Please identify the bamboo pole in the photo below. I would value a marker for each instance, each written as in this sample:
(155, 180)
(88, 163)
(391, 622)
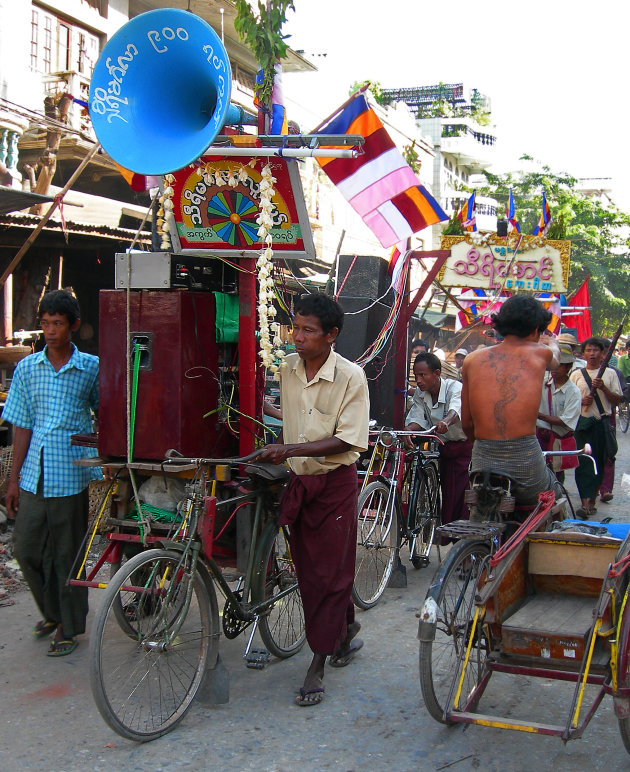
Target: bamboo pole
(40, 226)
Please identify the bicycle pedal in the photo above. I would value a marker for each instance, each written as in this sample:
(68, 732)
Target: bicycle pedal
(257, 658)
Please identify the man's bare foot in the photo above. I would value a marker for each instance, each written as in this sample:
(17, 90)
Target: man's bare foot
(348, 648)
(312, 693)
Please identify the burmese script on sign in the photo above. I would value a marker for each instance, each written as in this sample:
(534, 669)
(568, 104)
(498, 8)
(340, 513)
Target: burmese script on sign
(492, 263)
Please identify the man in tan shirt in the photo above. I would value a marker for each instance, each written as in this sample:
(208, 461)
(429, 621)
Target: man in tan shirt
(325, 410)
(500, 397)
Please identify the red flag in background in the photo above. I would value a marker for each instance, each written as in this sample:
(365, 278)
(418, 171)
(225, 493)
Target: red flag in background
(582, 323)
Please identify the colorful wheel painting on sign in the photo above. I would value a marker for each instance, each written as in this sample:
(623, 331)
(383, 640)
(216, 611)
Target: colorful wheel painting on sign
(233, 217)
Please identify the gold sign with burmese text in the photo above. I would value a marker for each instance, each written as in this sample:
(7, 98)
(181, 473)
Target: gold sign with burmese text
(514, 264)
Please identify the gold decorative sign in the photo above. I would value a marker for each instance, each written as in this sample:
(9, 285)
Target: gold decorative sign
(516, 263)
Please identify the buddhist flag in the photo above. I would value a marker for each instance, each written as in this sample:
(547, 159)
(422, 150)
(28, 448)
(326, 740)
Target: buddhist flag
(466, 214)
(545, 218)
(510, 215)
(379, 184)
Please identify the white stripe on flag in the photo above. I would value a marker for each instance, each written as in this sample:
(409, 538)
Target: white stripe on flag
(396, 221)
(373, 171)
(383, 190)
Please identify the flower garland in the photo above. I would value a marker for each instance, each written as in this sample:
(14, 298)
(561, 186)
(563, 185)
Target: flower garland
(166, 205)
(270, 347)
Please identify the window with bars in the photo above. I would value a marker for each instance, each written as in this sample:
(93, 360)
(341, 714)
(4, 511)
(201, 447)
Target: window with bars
(57, 45)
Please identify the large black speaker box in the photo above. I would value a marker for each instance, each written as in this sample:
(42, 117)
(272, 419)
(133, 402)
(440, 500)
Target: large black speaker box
(366, 279)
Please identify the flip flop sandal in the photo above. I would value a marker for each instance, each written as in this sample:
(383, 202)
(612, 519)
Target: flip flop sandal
(341, 660)
(62, 648)
(308, 697)
(43, 629)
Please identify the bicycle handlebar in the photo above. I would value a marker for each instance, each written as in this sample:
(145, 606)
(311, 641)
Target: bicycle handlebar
(586, 451)
(173, 457)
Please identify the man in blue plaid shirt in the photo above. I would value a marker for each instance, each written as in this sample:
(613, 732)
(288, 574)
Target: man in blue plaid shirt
(51, 398)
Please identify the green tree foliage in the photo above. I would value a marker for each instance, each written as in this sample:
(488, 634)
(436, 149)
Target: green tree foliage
(262, 33)
(376, 90)
(599, 235)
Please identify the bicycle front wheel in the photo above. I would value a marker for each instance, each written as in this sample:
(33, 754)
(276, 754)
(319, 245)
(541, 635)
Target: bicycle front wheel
(377, 544)
(624, 416)
(281, 626)
(426, 516)
(144, 684)
(452, 589)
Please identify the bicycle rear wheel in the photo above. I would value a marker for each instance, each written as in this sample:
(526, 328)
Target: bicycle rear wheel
(377, 543)
(282, 625)
(452, 590)
(624, 416)
(144, 685)
(426, 516)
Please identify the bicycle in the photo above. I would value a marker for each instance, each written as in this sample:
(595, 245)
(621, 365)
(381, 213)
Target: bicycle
(399, 503)
(623, 416)
(155, 636)
(448, 610)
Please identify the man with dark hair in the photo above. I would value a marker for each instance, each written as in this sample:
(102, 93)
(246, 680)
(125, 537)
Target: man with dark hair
(596, 409)
(501, 394)
(437, 402)
(51, 396)
(624, 362)
(325, 408)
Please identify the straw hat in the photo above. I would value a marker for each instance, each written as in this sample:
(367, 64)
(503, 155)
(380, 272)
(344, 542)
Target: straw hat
(567, 339)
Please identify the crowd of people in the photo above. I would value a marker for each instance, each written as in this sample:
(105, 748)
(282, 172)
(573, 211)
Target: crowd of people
(502, 406)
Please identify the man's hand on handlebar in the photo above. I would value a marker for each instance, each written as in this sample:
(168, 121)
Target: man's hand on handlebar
(274, 454)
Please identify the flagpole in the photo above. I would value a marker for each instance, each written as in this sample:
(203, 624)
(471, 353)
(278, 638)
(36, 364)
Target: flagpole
(339, 109)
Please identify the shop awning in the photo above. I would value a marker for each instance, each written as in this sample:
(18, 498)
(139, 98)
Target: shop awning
(13, 200)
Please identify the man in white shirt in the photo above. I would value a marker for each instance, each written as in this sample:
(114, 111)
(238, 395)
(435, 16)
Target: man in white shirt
(559, 410)
(591, 427)
(438, 402)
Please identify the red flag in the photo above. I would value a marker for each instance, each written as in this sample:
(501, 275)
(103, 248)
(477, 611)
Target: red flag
(582, 323)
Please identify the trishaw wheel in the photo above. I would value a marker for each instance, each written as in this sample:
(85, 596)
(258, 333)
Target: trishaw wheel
(377, 543)
(144, 685)
(624, 416)
(452, 589)
(124, 606)
(282, 625)
(623, 661)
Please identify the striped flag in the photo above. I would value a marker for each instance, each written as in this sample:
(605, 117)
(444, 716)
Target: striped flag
(510, 215)
(379, 184)
(466, 214)
(545, 218)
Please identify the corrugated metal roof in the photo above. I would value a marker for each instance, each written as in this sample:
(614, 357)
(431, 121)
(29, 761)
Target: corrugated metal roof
(84, 229)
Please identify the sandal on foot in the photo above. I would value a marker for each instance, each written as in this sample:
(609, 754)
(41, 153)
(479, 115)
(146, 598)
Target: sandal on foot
(582, 513)
(42, 628)
(344, 658)
(61, 648)
(308, 697)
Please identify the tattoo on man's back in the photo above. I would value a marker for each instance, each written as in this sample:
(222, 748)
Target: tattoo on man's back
(506, 381)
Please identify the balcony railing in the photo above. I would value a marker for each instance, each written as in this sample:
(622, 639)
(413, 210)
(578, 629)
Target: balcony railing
(461, 130)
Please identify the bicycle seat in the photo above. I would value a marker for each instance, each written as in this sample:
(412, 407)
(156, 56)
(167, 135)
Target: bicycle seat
(269, 472)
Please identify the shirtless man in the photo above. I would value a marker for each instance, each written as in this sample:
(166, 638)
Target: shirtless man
(501, 394)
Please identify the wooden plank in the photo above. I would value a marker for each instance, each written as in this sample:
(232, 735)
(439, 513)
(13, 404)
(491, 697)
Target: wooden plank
(566, 614)
(562, 559)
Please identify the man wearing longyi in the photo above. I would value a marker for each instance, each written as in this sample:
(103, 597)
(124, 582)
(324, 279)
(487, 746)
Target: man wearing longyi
(501, 395)
(325, 409)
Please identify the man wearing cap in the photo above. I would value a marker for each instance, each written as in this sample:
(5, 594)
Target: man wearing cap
(624, 362)
(566, 339)
(559, 410)
(460, 355)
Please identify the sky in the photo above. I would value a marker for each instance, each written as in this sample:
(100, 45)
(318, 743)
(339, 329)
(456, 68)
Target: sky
(556, 71)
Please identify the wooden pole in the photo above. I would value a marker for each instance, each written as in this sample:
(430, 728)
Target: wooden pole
(40, 226)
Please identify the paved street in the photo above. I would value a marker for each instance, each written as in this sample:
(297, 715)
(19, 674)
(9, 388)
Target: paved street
(372, 717)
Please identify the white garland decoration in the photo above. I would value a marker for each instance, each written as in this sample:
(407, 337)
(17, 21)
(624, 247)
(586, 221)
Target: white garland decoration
(271, 352)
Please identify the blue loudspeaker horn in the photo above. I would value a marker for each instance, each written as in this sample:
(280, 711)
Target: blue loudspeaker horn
(160, 92)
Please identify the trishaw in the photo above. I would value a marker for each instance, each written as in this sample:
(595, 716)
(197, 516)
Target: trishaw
(549, 604)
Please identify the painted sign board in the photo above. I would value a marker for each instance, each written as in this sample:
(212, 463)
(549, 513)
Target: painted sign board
(216, 205)
(516, 263)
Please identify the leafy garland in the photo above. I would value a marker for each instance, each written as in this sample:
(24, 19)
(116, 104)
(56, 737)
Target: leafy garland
(262, 34)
